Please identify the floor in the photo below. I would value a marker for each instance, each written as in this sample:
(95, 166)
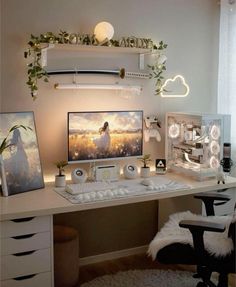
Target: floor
(141, 261)
(91, 271)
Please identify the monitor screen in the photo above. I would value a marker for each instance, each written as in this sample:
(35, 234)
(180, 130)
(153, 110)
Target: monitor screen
(104, 135)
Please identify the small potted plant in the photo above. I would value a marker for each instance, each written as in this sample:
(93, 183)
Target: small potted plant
(145, 169)
(60, 178)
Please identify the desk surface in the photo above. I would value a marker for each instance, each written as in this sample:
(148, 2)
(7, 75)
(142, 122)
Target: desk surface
(46, 201)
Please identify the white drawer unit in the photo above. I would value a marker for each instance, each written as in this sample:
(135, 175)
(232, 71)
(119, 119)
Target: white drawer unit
(23, 226)
(27, 252)
(34, 280)
(22, 243)
(25, 263)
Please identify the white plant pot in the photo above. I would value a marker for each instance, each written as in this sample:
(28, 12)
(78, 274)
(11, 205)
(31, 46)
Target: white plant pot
(60, 181)
(145, 172)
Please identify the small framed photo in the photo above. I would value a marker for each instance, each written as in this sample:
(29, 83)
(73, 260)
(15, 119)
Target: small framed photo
(21, 169)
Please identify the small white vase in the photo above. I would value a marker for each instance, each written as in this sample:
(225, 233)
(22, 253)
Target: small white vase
(145, 172)
(60, 181)
(3, 177)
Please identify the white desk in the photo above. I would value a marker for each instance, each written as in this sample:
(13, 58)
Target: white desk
(41, 205)
(47, 202)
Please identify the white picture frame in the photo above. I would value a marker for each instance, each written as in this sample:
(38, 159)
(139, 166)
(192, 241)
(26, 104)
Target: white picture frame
(21, 169)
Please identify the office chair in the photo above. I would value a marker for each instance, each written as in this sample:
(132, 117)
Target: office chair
(195, 250)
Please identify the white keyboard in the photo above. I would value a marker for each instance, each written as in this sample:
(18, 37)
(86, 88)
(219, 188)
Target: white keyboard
(88, 187)
(89, 192)
(95, 191)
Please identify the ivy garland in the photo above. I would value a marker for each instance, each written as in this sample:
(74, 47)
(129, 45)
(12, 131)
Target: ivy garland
(158, 68)
(34, 52)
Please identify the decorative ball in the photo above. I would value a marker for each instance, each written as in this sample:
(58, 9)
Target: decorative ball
(103, 30)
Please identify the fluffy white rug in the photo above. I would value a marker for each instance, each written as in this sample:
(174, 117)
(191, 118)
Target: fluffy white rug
(145, 278)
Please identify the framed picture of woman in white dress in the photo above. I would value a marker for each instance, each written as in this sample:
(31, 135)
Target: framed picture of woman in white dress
(21, 166)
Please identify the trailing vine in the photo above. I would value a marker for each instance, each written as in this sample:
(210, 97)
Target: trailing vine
(36, 71)
(158, 68)
(34, 52)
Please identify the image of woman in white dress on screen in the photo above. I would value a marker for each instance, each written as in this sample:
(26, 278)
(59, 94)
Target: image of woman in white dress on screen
(103, 142)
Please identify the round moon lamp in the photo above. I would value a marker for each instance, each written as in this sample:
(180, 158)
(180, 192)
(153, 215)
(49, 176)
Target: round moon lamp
(103, 31)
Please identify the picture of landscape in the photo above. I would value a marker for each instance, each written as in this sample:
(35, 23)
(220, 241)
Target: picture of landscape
(21, 159)
(104, 135)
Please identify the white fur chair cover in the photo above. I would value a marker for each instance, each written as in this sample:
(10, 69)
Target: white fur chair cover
(217, 244)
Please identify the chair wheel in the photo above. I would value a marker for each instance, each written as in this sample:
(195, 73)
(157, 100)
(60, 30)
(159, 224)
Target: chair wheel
(201, 284)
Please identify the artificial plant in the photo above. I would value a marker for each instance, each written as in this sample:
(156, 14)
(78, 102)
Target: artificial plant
(145, 160)
(36, 71)
(61, 165)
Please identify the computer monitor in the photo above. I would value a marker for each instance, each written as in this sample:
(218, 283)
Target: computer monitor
(103, 135)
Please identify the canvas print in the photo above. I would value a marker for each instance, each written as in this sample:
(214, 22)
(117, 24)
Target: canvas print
(21, 159)
(104, 135)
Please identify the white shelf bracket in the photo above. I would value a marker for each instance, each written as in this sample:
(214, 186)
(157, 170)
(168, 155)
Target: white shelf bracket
(44, 54)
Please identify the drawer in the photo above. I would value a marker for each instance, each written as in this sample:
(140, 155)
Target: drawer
(35, 280)
(26, 263)
(28, 242)
(25, 226)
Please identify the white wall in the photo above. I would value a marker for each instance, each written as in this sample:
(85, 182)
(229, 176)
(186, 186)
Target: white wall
(189, 27)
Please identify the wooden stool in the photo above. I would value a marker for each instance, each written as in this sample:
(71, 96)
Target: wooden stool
(66, 256)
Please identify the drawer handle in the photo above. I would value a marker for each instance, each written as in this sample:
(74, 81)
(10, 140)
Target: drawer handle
(24, 277)
(23, 219)
(24, 253)
(23, 236)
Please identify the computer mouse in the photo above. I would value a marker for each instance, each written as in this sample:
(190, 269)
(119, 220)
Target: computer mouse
(147, 182)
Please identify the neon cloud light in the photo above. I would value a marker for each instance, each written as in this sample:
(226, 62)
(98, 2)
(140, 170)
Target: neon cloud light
(168, 81)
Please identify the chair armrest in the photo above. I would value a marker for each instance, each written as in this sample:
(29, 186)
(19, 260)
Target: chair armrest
(198, 225)
(213, 195)
(197, 229)
(209, 199)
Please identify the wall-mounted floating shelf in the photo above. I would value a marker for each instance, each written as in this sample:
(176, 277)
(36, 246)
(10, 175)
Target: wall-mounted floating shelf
(104, 49)
(97, 49)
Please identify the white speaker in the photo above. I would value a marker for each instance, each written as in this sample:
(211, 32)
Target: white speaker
(79, 175)
(130, 171)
